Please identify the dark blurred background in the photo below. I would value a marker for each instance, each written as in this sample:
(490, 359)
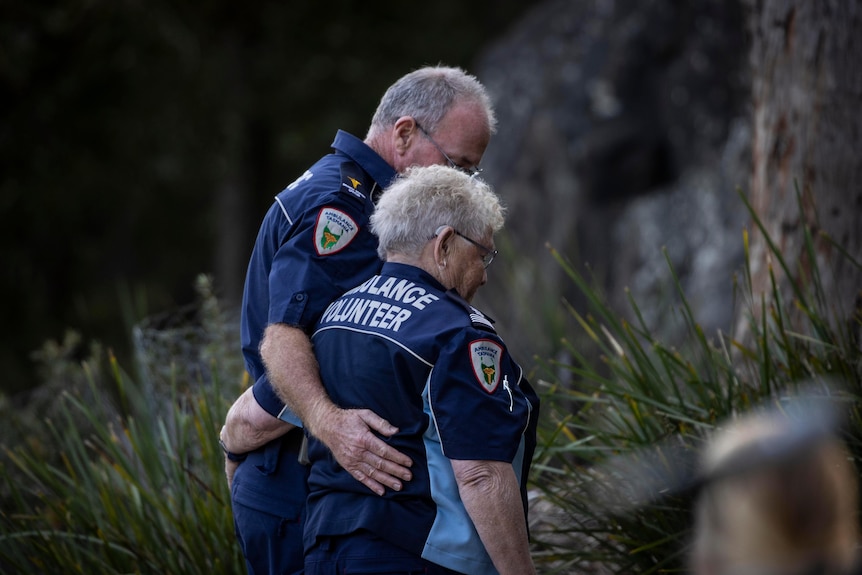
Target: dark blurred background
(142, 141)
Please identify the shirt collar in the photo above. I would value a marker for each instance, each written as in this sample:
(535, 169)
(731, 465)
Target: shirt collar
(368, 159)
(412, 273)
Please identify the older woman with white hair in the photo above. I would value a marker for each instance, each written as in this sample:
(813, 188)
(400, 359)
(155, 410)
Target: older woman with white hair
(408, 345)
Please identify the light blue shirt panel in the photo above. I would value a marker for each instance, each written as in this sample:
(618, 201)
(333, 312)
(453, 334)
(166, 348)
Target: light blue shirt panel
(290, 417)
(453, 541)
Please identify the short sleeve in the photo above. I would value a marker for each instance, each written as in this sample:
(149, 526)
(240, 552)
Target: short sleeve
(474, 399)
(329, 252)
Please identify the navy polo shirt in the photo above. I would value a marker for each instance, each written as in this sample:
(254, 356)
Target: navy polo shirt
(314, 244)
(431, 364)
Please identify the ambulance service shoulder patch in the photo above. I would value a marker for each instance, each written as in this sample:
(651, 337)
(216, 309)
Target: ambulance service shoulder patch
(486, 356)
(333, 232)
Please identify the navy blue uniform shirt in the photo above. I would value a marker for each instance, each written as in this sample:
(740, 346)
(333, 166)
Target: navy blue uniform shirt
(431, 364)
(314, 244)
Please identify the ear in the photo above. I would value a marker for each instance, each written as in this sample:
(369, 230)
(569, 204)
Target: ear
(404, 132)
(443, 246)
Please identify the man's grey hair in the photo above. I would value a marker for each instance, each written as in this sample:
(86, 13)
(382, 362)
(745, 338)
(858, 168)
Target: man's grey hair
(427, 94)
(424, 198)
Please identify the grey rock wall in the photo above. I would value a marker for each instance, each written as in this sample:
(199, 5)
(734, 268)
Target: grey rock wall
(624, 130)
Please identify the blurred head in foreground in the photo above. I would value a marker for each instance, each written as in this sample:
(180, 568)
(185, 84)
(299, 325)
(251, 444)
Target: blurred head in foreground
(777, 502)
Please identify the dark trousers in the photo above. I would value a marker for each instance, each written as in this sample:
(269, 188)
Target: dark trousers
(268, 500)
(271, 544)
(365, 553)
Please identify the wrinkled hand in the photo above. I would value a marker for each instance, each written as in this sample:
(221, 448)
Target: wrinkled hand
(348, 434)
(248, 426)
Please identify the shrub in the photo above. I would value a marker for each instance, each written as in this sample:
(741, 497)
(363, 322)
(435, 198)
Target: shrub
(638, 409)
(121, 477)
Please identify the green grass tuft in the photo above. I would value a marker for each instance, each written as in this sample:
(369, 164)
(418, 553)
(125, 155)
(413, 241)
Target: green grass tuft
(114, 474)
(121, 478)
(634, 411)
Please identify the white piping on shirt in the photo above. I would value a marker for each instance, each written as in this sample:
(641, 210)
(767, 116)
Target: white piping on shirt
(283, 210)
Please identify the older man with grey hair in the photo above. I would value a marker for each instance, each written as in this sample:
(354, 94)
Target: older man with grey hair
(314, 244)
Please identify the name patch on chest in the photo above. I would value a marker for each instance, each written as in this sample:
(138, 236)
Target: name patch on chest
(333, 232)
(486, 357)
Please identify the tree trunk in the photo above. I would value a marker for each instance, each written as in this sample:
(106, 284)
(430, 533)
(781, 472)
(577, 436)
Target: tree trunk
(231, 196)
(806, 62)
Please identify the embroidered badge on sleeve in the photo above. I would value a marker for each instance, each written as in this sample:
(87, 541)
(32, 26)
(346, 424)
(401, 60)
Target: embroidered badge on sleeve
(485, 356)
(333, 232)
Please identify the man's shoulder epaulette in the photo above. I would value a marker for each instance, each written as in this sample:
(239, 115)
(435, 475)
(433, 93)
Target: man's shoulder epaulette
(355, 182)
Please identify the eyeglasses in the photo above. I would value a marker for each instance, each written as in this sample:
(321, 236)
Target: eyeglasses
(489, 253)
(471, 171)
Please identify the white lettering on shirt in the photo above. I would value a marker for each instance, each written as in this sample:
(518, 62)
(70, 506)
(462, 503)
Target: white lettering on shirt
(351, 308)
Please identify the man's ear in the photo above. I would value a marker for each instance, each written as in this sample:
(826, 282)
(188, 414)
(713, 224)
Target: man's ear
(404, 132)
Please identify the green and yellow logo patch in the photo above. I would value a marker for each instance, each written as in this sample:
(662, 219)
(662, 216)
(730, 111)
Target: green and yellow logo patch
(334, 231)
(485, 357)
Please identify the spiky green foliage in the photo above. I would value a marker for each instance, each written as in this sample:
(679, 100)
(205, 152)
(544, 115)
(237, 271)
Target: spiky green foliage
(636, 399)
(120, 477)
